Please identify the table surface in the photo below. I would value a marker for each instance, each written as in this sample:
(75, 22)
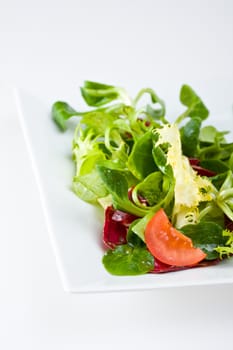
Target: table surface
(45, 47)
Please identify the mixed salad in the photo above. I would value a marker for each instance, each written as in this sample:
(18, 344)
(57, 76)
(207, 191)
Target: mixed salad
(166, 188)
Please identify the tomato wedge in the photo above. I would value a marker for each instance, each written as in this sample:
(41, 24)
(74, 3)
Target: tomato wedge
(168, 244)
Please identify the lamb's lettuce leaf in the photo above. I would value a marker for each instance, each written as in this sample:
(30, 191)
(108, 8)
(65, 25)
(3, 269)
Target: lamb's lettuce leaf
(61, 112)
(190, 137)
(127, 260)
(207, 236)
(98, 94)
(140, 161)
(196, 107)
(118, 181)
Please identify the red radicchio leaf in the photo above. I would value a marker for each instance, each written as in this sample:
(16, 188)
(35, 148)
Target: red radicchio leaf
(202, 171)
(194, 162)
(116, 226)
(141, 199)
(228, 223)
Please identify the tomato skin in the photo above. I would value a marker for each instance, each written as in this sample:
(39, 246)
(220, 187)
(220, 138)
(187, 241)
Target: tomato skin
(169, 245)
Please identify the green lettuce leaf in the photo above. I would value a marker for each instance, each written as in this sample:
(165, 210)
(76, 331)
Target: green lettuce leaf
(196, 107)
(207, 236)
(127, 260)
(61, 112)
(141, 162)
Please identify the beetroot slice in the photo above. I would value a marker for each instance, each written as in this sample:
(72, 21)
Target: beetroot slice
(160, 267)
(116, 226)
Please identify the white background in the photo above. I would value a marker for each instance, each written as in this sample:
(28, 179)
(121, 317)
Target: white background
(49, 48)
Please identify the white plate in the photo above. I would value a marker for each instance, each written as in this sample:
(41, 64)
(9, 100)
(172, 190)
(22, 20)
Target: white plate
(75, 227)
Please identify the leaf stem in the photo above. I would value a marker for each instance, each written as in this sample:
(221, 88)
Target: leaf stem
(182, 116)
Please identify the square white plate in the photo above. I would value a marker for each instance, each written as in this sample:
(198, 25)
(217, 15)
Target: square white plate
(75, 227)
